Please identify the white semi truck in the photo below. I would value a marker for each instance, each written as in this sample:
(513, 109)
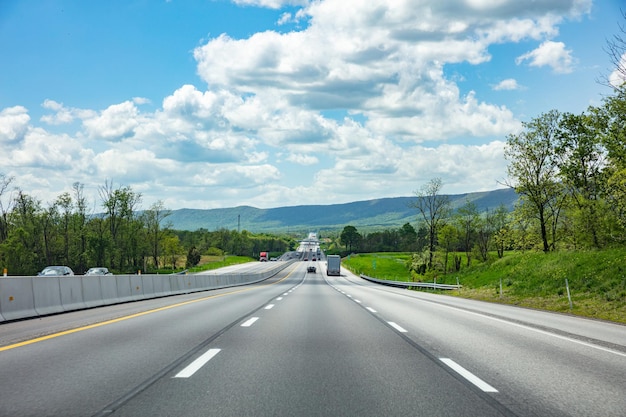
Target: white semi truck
(333, 265)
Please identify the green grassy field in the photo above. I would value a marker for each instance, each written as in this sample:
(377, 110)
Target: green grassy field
(214, 262)
(209, 262)
(387, 265)
(597, 279)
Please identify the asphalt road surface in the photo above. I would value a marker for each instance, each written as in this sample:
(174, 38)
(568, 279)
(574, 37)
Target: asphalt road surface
(304, 344)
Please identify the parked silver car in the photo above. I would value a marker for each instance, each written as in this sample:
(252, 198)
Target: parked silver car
(55, 271)
(99, 270)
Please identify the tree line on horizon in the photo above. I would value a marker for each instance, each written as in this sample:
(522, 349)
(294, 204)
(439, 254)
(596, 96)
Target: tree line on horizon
(122, 237)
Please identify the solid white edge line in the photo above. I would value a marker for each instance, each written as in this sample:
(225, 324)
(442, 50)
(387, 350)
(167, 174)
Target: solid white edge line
(544, 332)
(468, 375)
(397, 327)
(197, 364)
(249, 322)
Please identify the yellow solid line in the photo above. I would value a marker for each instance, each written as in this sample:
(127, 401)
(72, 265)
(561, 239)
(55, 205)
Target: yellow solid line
(143, 313)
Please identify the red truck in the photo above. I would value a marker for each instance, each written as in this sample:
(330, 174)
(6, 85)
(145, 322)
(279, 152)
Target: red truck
(263, 257)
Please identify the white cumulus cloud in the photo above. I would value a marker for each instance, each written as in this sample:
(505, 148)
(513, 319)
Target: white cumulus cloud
(551, 54)
(114, 123)
(508, 84)
(13, 123)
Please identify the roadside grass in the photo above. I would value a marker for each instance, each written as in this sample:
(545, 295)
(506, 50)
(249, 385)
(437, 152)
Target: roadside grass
(597, 279)
(214, 262)
(384, 265)
(210, 262)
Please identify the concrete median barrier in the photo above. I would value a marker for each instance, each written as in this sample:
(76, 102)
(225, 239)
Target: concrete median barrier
(161, 287)
(16, 298)
(136, 287)
(24, 297)
(71, 289)
(103, 290)
(124, 287)
(47, 295)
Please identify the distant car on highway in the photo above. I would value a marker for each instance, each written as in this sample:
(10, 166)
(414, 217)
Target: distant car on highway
(99, 270)
(311, 269)
(55, 271)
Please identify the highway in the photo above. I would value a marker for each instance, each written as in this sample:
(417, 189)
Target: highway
(307, 344)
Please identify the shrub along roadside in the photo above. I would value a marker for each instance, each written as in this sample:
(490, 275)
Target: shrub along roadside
(597, 279)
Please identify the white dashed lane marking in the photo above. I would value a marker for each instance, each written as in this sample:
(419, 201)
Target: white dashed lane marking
(397, 327)
(468, 375)
(249, 322)
(197, 364)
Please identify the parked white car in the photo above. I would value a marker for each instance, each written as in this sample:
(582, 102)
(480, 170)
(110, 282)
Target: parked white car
(55, 271)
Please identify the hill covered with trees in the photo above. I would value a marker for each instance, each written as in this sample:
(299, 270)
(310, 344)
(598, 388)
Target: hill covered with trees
(376, 214)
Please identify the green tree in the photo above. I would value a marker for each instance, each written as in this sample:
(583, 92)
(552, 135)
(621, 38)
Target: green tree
(64, 206)
(349, 237)
(152, 219)
(533, 166)
(99, 243)
(51, 239)
(524, 234)
(581, 158)
(466, 219)
(18, 256)
(172, 249)
(26, 220)
(614, 113)
(484, 230)
(448, 237)
(193, 257)
(120, 211)
(408, 237)
(502, 232)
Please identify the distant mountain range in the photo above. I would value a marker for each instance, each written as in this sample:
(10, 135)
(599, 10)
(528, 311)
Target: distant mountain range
(369, 215)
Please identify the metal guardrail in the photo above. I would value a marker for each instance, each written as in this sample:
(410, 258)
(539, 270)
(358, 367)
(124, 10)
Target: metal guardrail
(405, 284)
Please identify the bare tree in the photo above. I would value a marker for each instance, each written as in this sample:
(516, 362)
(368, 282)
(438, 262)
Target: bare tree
(5, 208)
(616, 50)
(434, 209)
(80, 223)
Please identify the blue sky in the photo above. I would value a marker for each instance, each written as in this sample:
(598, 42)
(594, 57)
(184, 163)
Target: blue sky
(216, 103)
